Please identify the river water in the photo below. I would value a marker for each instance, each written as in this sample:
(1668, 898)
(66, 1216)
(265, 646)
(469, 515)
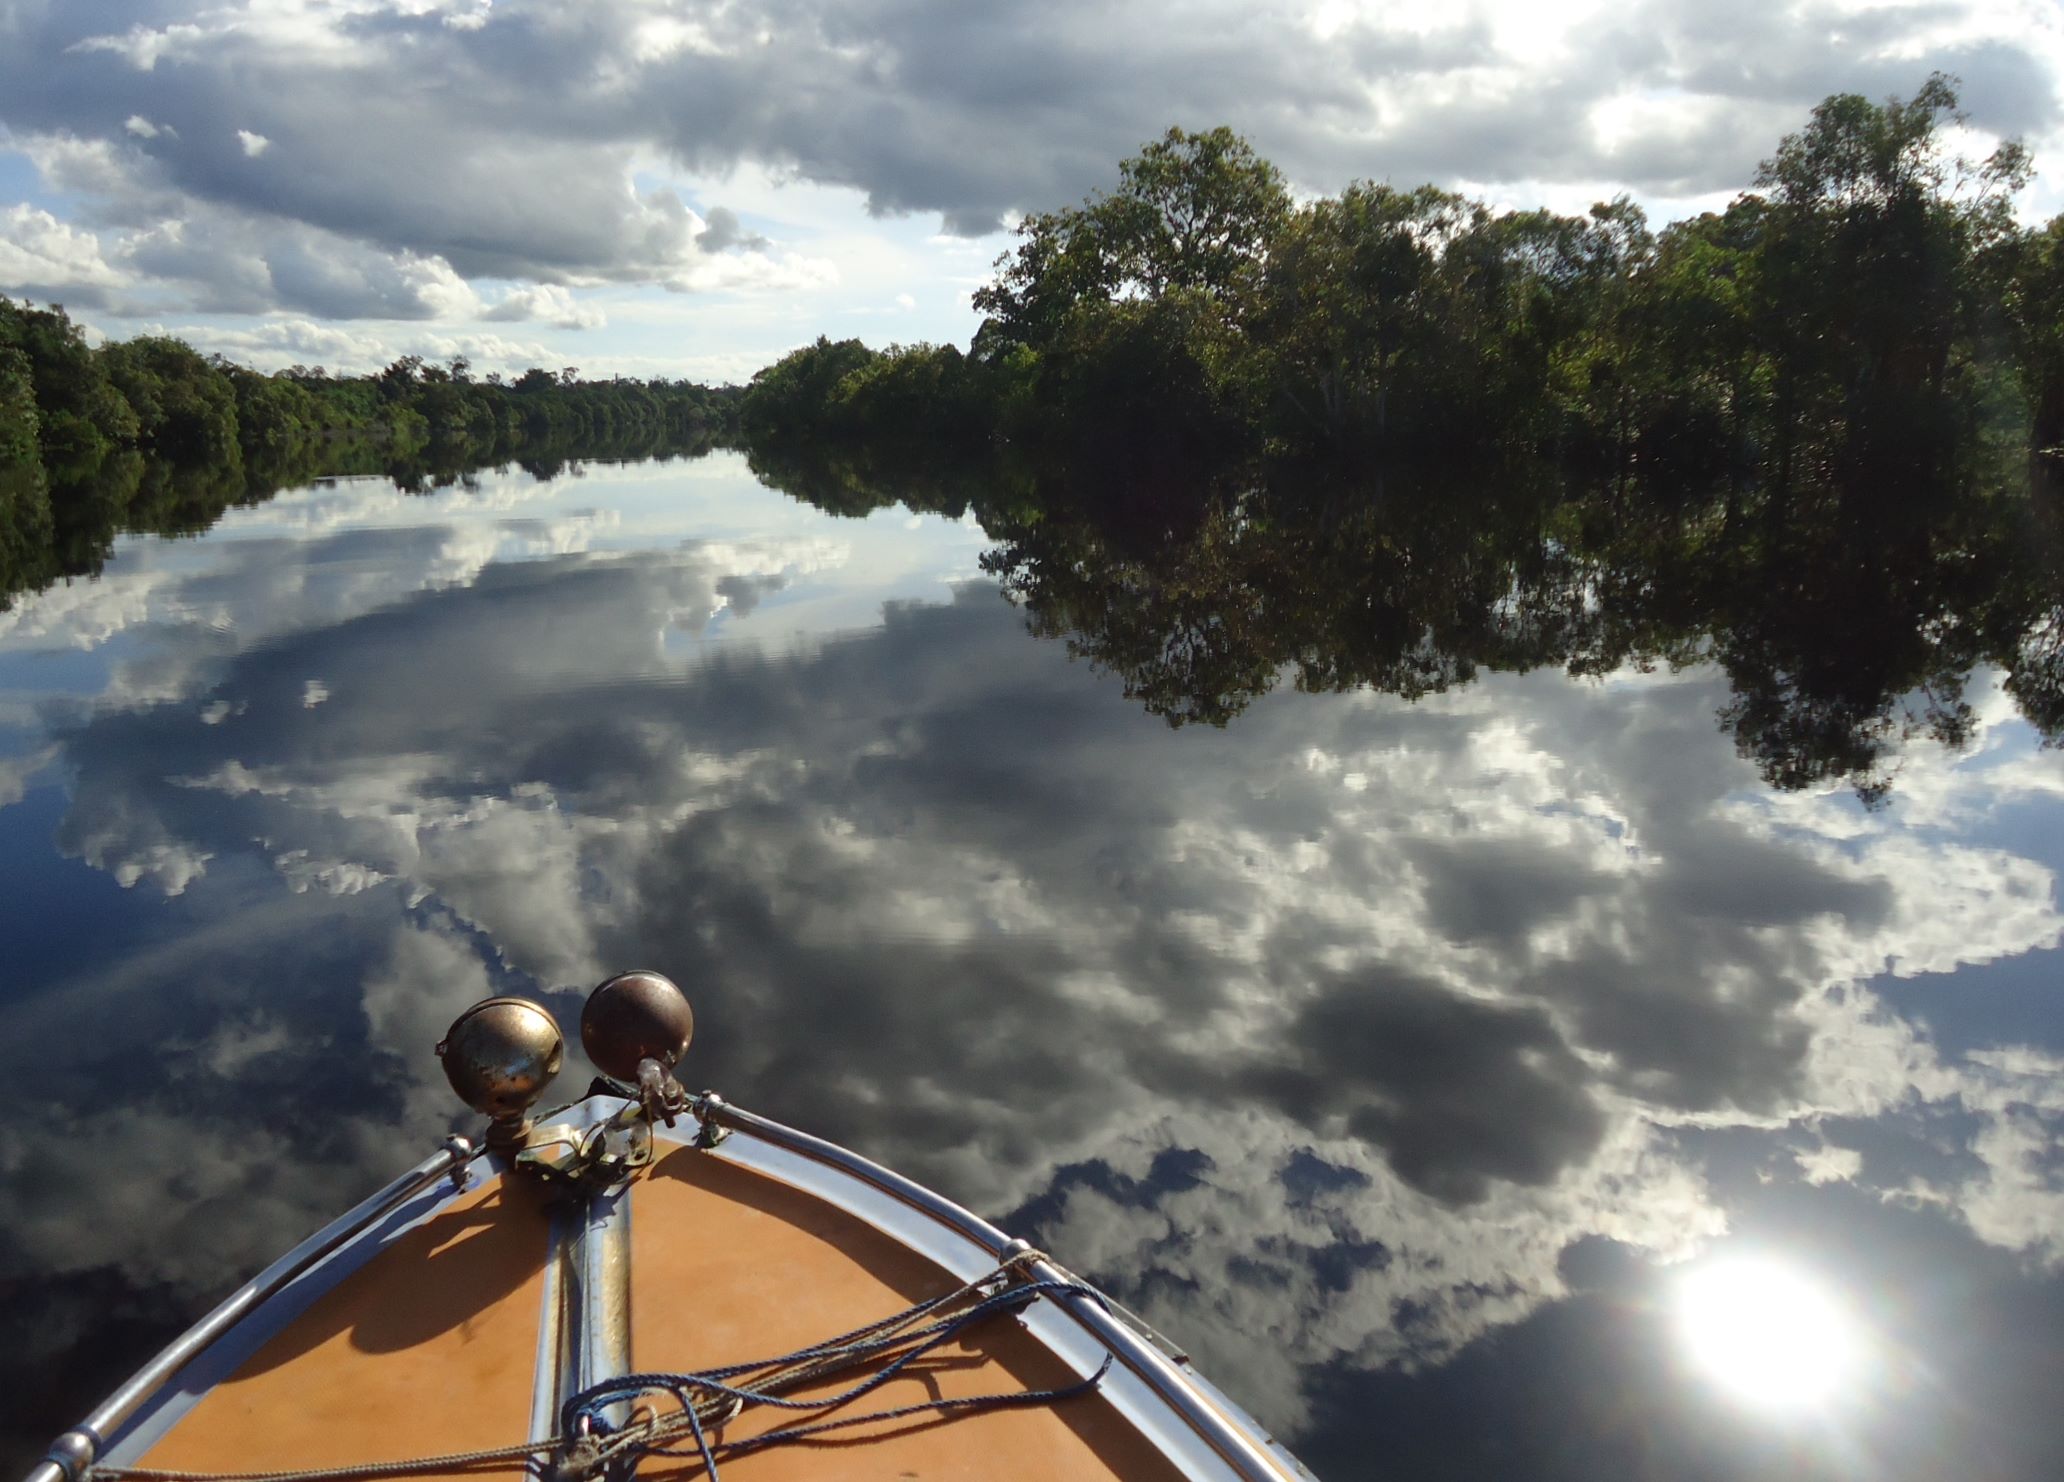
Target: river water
(1424, 1068)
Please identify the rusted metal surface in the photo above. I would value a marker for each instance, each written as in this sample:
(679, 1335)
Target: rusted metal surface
(501, 1054)
(634, 1017)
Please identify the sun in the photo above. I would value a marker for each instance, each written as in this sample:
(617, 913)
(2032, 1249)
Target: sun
(1767, 1334)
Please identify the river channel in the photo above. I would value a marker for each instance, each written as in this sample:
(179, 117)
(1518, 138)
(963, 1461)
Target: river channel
(1424, 1066)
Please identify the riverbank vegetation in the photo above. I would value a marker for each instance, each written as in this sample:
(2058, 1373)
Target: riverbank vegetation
(1871, 305)
(149, 435)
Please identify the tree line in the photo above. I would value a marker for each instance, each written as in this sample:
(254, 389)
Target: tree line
(1389, 440)
(149, 435)
(1871, 304)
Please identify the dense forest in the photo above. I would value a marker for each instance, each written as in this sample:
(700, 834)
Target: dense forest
(149, 435)
(1872, 305)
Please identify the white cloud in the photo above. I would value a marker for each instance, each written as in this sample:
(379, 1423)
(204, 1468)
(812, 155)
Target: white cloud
(546, 301)
(1828, 1164)
(303, 874)
(42, 257)
(428, 980)
(142, 46)
(175, 248)
(83, 615)
(761, 273)
(15, 772)
(276, 343)
(231, 264)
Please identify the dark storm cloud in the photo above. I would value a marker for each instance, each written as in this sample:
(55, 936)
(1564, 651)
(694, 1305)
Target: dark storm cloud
(500, 142)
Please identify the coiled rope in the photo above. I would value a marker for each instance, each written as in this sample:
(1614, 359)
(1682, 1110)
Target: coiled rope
(589, 1445)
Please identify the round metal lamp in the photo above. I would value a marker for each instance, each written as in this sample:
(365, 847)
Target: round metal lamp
(633, 1017)
(500, 1055)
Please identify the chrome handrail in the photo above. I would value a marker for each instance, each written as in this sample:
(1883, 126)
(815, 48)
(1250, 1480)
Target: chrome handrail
(1236, 1446)
(74, 1452)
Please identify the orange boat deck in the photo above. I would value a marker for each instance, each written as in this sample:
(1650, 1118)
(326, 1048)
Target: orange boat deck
(447, 1338)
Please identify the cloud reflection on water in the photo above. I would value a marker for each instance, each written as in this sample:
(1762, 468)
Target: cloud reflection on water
(1326, 1038)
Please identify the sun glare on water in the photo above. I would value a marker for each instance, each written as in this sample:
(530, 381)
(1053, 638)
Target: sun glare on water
(1767, 1334)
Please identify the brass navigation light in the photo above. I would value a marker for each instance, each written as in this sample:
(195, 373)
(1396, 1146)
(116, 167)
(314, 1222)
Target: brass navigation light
(636, 1027)
(635, 1017)
(500, 1055)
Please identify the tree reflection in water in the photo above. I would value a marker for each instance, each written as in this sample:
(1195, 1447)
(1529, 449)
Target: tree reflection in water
(1848, 611)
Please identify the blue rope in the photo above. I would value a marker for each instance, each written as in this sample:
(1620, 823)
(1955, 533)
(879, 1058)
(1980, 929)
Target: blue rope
(582, 1412)
(968, 1403)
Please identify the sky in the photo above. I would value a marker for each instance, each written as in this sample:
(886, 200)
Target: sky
(694, 187)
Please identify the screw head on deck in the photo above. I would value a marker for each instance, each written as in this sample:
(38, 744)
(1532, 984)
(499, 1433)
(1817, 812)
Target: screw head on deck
(501, 1054)
(633, 1017)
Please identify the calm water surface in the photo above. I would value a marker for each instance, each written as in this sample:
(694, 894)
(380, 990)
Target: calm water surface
(1505, 1084)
